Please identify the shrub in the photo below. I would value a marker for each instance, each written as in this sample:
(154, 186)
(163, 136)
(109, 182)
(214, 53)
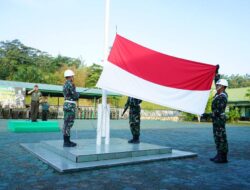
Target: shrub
(233, 115)
(189, 117)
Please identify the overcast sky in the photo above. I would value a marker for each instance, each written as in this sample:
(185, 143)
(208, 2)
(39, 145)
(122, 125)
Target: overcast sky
(209, 31)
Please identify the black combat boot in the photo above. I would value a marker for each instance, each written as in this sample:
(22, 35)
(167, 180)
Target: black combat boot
(216, 156)
(67, 142)
(132, 140)
(222, 158)
(136, 139)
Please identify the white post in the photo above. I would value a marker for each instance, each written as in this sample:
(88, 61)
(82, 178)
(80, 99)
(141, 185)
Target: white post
(103, 127)
(107, 132)
(99, 125)
(103, 113)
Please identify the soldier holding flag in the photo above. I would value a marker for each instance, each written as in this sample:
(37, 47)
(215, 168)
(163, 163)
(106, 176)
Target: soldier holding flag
(219, 119)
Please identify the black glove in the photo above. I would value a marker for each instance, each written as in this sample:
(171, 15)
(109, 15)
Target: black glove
(217, 69)
(216, 114)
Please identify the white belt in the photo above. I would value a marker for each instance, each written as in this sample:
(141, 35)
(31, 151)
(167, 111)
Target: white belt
(72, 102)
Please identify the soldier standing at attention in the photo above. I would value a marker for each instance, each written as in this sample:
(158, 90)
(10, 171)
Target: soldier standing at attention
(219, 104)
(36, 95)
(69, 107)
(134, 118)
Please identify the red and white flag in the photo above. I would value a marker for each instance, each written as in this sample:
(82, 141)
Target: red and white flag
(139, 72)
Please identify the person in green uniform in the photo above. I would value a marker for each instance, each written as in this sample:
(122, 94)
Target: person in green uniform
(219, 104)
(36, 96)
(69, 107)
(134, 118)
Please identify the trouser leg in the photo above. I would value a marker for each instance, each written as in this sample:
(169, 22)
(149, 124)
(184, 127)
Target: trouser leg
(220, 137)
(34, 110)
(68, 122)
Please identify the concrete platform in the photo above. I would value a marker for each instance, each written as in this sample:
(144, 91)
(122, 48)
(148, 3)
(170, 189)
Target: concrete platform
(89, 156)
(87, 150)
(20, 126)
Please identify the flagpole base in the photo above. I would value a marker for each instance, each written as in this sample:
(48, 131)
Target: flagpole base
(103, 124)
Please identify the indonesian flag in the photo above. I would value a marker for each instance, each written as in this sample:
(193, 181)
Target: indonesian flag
(139, 72)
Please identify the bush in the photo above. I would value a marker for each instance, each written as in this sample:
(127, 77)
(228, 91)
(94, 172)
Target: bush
(233, 115)
(189, 117)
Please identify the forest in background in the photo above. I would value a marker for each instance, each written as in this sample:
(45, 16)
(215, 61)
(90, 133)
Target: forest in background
(19, 62)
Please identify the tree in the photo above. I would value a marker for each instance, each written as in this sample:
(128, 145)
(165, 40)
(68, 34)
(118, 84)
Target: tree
(17, 60)
(11, 55)
(63, 60)
(22, 63)
(80, 75)
(189, 117)
(237, 81)
(28, 74)
(94, 72)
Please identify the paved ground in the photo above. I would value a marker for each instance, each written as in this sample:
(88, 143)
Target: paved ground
(21, 170)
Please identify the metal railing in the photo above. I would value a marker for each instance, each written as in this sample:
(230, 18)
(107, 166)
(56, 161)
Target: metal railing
(89, 112)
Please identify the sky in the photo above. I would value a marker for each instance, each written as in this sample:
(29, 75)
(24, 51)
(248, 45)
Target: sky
(208, 31)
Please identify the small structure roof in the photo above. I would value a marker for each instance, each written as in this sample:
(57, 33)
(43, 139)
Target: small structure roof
(237, 94)
(56, 90)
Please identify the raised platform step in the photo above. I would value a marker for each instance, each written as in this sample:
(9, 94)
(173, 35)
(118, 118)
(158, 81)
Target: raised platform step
(89, 156)
(20, 126)
(86, 150)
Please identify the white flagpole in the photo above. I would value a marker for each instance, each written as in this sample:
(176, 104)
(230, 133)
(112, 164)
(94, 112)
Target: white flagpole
(103, 128)
(104, 93)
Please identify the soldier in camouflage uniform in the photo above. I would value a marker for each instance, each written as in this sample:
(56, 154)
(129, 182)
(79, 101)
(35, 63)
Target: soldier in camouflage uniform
(219, 104)
(69, 107)
(36, 96)
(134, 118)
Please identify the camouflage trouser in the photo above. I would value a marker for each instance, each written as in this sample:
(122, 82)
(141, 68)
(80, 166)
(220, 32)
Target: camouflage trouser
(220, 136)
(69, 117)
(34, 110)
(134, 120)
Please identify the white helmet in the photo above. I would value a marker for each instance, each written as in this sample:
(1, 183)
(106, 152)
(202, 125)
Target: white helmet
(222, 82)
(68, 73)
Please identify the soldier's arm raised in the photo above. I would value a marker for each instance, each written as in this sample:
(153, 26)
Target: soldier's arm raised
(217, 75)
(30, 92)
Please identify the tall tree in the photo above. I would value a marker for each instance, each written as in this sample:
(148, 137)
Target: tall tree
(80, 75)
(94, 72)
(22, 63)
(238, 81)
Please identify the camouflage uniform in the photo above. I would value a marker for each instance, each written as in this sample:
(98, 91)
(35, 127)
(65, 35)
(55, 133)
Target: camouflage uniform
(70, 94)
(219, 121)
(34, 107)
(134, 115)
